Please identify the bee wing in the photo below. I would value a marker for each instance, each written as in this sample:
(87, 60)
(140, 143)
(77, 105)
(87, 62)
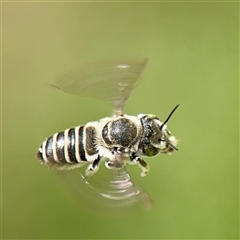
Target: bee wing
(111, 81)
(111, 189)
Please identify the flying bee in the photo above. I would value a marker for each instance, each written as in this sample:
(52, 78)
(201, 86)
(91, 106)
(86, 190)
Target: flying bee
(121, 139)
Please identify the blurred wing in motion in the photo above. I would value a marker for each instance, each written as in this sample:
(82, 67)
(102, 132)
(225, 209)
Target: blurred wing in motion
(111, 81)
(111, 192)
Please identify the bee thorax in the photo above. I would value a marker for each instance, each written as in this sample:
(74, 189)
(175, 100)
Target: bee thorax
(121, 132)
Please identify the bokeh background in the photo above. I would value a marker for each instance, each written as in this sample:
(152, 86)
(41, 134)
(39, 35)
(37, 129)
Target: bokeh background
(193, 60)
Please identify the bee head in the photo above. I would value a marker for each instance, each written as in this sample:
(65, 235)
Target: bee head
(156, 137)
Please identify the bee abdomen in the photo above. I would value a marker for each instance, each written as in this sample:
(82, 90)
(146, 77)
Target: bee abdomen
(64, 149)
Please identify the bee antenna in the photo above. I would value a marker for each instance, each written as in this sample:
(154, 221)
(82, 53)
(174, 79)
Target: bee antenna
(169, 116)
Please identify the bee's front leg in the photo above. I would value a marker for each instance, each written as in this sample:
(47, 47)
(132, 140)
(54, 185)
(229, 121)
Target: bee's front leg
(135, 159)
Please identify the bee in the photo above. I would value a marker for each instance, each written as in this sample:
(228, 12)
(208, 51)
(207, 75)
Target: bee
(120, 139)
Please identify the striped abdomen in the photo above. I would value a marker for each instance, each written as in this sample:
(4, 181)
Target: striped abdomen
(69, 149)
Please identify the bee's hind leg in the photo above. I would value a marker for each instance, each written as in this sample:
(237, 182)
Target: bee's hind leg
(135, 159)
(92, 168)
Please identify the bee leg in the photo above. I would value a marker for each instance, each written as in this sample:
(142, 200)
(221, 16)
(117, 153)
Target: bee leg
(109, 164)
(135, 159)
(113, 164)
(116, 162)
(92, 168)
(116, 151)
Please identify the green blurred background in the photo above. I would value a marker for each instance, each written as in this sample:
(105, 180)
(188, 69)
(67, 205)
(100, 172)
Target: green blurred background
(193, 52)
